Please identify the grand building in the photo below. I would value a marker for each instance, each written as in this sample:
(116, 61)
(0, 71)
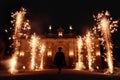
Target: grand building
(68, 42)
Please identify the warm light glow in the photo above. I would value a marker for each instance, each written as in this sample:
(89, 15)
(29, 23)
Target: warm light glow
(6, 30)
(49, 53)
(70, 27)
(24, 67)
(71, 53)
(60, 33)
(22, 53)
(98, 53)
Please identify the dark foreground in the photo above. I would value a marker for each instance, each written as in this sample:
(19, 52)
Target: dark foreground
(51, 74)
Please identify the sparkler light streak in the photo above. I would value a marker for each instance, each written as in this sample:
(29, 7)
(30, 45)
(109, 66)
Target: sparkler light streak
(80, 64)
(18, 18)
(89, 46)
(34, 43)
(42, 50)
(106, 26)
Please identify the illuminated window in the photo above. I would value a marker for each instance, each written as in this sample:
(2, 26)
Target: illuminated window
(71, 53)
(60, 33)
(21, 53)
(97, 53)
(49, 53)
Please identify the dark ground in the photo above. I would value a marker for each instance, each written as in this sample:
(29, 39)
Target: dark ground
(51, 74)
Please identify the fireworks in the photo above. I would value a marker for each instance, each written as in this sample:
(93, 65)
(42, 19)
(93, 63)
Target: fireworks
(89, 46)
(34, 42)
(42, 49)
(106, 26)
(80, 64)
(17, 23)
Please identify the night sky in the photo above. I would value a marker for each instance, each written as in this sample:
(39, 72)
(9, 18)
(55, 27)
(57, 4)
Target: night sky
(42, 13)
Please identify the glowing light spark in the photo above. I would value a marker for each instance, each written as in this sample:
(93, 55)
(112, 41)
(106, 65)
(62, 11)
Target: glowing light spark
(34, 42)
(80, 64)
(107, 26)
(89, 46)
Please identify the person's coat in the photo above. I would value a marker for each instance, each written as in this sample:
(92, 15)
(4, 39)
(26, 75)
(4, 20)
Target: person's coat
(59, 59)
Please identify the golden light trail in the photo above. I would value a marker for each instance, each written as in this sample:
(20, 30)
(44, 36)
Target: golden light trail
(34, 43)
(17, 23)
(107, 26)
(80, 64)
(89, 46)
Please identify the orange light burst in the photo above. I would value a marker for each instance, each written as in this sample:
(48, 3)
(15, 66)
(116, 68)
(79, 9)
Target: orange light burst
(89, 46)
(107, 26)
(34, 43)
(80, 64)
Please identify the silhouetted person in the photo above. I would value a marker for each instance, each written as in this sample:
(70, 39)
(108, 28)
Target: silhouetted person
(59, 59)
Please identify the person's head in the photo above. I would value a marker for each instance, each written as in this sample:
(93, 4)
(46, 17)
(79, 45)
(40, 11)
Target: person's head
(59, 48)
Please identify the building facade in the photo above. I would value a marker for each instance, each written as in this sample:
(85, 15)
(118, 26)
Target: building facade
(68, 42)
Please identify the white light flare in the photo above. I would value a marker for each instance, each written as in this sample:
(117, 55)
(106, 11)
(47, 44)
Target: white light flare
(80, 64)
